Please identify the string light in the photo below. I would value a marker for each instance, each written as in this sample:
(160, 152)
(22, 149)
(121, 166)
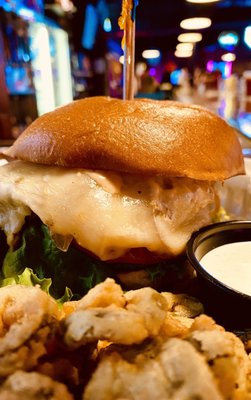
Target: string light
(196, 23)
(191, 37)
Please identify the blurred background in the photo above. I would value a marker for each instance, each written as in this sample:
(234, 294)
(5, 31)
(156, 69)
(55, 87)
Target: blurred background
(54, 51)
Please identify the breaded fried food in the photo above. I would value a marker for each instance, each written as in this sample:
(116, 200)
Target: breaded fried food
(225, 354)
(106, 313)
(33, 386)
(27, 318)
(206, 364)
(111, 323)
(101, 295)
(155, 370)
(157, 347)
(145, 311)
(115, 345)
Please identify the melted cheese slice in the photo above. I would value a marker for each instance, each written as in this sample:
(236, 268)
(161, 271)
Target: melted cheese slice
(106, 213)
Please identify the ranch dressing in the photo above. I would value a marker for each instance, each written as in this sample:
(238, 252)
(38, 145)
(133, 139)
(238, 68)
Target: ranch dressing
(231, 265)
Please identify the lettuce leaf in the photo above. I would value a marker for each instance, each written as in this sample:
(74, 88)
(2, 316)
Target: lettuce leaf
(64, 275)
(37, 260)
(28, 278)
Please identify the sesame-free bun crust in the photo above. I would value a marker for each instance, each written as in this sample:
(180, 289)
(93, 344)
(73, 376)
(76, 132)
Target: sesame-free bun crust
(133, 136)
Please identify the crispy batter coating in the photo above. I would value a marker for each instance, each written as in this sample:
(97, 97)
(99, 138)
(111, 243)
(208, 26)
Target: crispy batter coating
(205, 364)
(149, 303)
(175, 326)
(226, 355)
(87, 326)
(112, 345)
(104, 308)
(157, 370)
(102, 295)
(24, 314)
(33, 386)
(143, 309)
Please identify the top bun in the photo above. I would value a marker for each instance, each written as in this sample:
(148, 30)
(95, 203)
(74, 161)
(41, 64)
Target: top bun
(133, 136)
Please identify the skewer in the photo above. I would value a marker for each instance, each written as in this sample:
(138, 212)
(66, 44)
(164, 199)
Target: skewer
(127, 23)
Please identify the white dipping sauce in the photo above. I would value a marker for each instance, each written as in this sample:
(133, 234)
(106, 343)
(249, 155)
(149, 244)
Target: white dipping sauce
(230, 264)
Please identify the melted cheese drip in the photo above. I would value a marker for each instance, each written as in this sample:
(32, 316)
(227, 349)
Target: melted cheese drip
(106, 213)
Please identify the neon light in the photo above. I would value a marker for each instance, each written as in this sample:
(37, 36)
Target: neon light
(228, 70)
(26, 13)
(90, 27)
(210, 66)
(152, 71)
(175, 76)
(227, 39)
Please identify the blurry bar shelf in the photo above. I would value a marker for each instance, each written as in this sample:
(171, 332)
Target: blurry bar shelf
(29, 14)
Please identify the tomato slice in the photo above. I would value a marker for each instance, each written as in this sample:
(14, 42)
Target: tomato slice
(139, 255)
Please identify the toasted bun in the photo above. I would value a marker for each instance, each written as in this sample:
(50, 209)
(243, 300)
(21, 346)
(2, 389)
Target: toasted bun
(133, 136)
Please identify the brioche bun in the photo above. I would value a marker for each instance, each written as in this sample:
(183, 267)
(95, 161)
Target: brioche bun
(133, 136)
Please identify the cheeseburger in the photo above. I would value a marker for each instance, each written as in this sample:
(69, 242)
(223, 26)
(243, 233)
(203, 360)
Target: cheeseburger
(108, 187)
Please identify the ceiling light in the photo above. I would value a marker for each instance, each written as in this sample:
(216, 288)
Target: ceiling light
(228, 57)
(196, 23)
(184, 46)
(202, 1)
(153, 53)
(183, 54)
(192, 37)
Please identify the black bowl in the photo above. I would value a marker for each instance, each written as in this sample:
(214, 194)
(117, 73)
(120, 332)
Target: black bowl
(227, 306)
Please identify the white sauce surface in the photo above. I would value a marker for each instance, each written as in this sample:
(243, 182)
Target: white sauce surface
(230, 264)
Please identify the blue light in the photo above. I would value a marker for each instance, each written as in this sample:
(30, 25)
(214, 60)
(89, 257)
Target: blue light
(26, 13)
(175, 76)
(219, 66)
(247, 36)
(31, 13)
(6, 6)
(107, 26)
(244, 123)
(228, 39)
(90, 27)
(152, 71)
